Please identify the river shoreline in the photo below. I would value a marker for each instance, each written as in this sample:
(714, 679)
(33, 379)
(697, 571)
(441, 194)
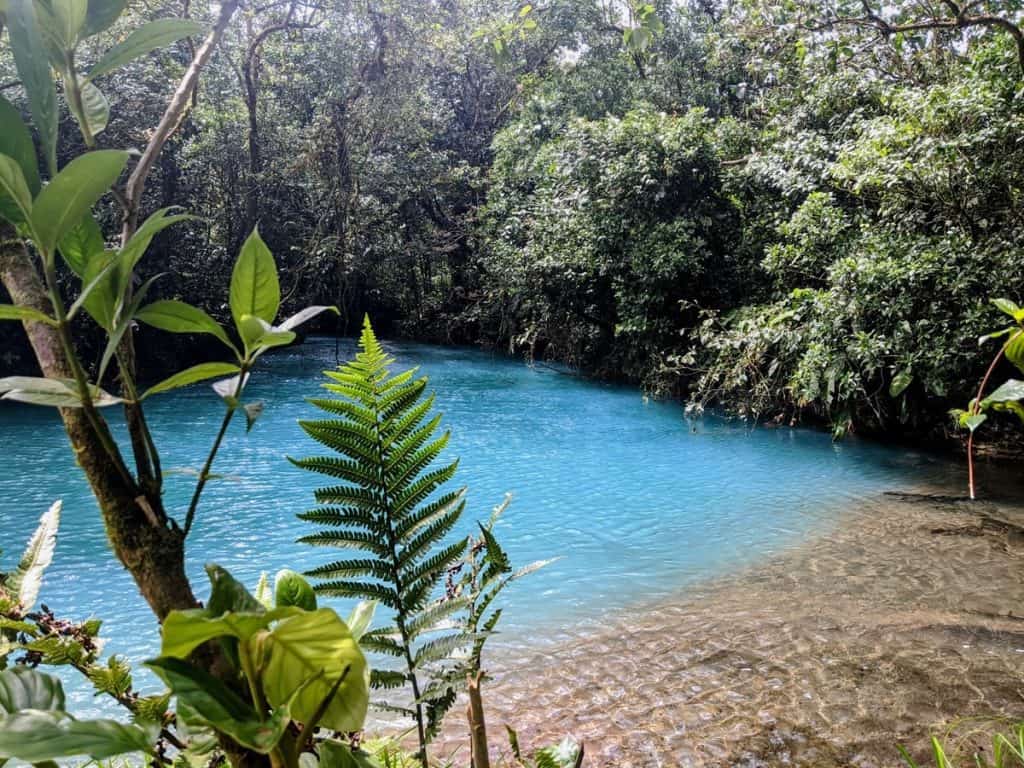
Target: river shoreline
(903, 621)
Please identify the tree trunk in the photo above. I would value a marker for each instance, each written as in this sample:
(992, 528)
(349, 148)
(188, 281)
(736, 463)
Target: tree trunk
(477, 727)
(151, 550)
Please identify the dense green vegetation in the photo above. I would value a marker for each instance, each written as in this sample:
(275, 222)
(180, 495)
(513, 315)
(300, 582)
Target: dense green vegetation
(783, 208)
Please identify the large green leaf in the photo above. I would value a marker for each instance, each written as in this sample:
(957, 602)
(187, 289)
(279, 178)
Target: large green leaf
(95, 107)
(81, 244)
(1015, 350)
(254, 287)
(15, 198)
(228, 594)
(69, 16)
(100, 288)
(184, 631)
(56, 392)
(148, 37)
(179, 317)
(16, 143)
(302, 316)
(214, 704)
(27, 577)
(191, 375)
(334, 754)
(34, 71)
(27, 688)
(72, 194)
(101, 14)
(136, 246)
(1009, 391)
(36, 736)
(13, 312)
(291, 589)
(314, 650)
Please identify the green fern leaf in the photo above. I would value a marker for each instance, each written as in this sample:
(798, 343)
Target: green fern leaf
(392, 508)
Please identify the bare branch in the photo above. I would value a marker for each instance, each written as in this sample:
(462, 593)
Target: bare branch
(173, 115)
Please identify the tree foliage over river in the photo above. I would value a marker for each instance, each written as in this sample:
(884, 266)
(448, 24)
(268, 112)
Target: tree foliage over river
(788, 208)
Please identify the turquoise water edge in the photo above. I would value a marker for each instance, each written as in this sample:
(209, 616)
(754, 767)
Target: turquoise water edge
(637, 500)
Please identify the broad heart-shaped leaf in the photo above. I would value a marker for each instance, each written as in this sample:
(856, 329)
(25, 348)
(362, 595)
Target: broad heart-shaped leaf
(34, 72)
(228, 594)
(191, 375)
(16, 143)
(184, 631)
(72, 193)
(254, 287)
(26, 688)
(101, 14)
(1008, 306)
(214, 704)
(291, 589)
(1015, 350)
(36, 736)
(302, 316)
(179, 317)
(81, 244)
(27, 577)
(12, 312)
(314, 650)
(1010, 391)
(15, 198)
(334, 754)
(900, 382)
(148, 37)
(95, 107)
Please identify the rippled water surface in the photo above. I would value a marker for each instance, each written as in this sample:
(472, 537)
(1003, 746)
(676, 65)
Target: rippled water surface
(639, 502)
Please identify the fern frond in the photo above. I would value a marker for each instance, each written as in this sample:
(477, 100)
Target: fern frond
(400, 476)
(355, 539)
(339, 516)
(348, 496)
(435, 565)
(429, 535)
(362, 589)
(385, 445)
(435, 617)
(354, 472)
(343, 569)
(422, 488)
(402, 448)
(398, 429)
(442, 648)
(385, 640)
(352, 411)
(432, 511)
(387, 679)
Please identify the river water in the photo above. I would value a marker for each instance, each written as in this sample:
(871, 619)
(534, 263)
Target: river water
(649, 513)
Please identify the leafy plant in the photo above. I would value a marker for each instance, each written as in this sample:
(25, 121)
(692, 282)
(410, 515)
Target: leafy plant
(1008, 396)
(19, 588)
(296, 667)
(388, 442)
(566, 754)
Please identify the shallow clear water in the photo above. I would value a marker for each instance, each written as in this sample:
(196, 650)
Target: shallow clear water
(636, 499)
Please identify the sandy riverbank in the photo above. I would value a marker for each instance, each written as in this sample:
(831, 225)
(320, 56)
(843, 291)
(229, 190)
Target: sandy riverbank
(898, 624)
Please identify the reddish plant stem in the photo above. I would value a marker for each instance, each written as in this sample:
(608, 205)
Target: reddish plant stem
(976, 409)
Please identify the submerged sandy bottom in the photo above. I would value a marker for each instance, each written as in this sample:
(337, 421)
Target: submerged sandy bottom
(897, 625)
